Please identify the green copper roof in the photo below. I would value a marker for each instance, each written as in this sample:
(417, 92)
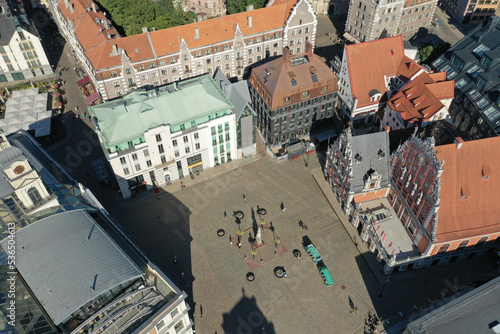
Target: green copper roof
(127, 118)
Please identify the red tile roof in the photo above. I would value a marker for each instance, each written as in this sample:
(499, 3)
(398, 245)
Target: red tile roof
(369, 62)
(421, 99)
(98, 46)
(87, 23)
(463, 172)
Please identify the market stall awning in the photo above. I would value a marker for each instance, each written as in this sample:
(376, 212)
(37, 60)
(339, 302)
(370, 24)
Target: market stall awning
(83, 81)
(92, 98)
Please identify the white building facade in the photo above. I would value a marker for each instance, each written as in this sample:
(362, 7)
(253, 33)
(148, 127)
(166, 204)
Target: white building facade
(21, 53)
(175, 146)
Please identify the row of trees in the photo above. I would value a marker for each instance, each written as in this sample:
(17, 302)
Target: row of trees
(129, 16)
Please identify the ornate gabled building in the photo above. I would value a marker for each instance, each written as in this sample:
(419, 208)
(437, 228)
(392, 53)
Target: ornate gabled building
(357, 168)
(441, 206)
(425, 99)
(370, 74)
(116, 65)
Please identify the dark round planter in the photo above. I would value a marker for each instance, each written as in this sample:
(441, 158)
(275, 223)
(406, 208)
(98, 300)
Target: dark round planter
(221, 233)
(239, 215)
(250, 277)
(262, 212)
(278, 272)
(297, 253)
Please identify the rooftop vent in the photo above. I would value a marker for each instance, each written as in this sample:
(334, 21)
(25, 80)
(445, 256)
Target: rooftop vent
(380, 154)
(465, 192)
(357, 158)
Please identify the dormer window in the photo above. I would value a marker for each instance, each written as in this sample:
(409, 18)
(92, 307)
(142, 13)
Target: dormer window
(486, 172)
(465, 192)
(357, 158)
(485, 61)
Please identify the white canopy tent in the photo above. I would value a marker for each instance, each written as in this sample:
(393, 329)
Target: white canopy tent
(27, 110)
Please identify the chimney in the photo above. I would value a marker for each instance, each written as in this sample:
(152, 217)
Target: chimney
(286, 54)
(411, 64)
(72, 8)
(94, 7)
(144, 30)
(196, 33)
(309, 49)
(460, 142)
(114, 49)
(387, 128)
(250, 21)
(249, 8)
(393, 52)
(66, 4)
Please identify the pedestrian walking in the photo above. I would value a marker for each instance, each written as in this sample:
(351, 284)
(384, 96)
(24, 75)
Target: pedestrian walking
(231, 243)
(175, 259)
(182, 185)
(283, 209)
(182, 274)
(244, 198)
(225, 215)
(201, 312)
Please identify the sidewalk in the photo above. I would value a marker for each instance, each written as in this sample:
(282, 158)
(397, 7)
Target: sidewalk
(367, 256)
(175, 186)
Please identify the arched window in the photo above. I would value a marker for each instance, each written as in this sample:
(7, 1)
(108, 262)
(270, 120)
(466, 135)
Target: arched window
(481, 241)
(443, 248)
(34, 195)
(462, 245)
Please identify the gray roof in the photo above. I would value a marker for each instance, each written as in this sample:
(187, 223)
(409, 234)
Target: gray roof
(474, 312)
(7, 29)
(483, 40)
(68, 260)
(238, 93)
(367, 147)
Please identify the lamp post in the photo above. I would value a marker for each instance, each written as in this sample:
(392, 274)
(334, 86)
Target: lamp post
(383, 286)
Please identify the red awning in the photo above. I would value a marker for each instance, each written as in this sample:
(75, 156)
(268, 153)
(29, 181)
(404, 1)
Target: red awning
(83, 81)
(92, 98)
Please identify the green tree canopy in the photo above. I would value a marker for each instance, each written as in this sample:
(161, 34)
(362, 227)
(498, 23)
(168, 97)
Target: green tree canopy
(129, 16)
(238, 6)
(430, 53)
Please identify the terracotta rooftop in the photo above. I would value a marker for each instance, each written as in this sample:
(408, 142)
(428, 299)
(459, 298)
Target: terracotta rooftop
(421, 99)
(91, 27)
(469, 171)
(369, 62)
(98, 46)
(305, 70)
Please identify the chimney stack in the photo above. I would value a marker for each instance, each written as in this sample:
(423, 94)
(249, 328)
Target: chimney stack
(286, 54)
(196, 33)
(144, 30)
(460, 142)
(114, 49)
(309, 49)
(72, 8)
(66, 4)
(94, 7)
(393, 52)
(249, 8)
(250, 21)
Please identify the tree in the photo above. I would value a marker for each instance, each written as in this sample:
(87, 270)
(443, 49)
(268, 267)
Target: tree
(238, 6)
(130, 16)
(424, 53)
(428, 54)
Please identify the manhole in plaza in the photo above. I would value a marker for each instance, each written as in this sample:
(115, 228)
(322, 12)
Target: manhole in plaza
(221, 233)
(342, 287)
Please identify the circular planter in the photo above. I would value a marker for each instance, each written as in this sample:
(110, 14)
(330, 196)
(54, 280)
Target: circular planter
(297, 253)
(250, 277)
(239, 215)
(221, 233)
(279, 272)
(262, 212)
